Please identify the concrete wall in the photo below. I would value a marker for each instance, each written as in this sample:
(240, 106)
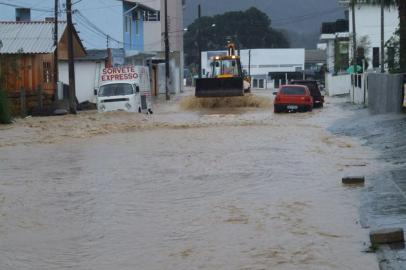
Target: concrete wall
(385, 93)
(152, 37)
(338, 85)
(87, 78)
(175, 22)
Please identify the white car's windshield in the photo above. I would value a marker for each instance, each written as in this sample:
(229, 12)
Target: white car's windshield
(117, 89)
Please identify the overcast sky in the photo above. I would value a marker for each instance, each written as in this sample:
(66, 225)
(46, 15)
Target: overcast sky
(298, 15)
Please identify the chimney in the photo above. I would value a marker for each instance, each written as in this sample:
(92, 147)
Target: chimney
(23, 14)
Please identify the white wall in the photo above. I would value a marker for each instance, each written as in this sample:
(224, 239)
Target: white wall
(264, 61)
(152, 37)
(87, 78)
(368, 23)
(338, 85)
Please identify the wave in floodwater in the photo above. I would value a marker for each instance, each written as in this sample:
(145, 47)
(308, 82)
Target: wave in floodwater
(247, 101)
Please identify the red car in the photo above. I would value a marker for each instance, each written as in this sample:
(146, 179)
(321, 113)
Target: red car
(293, 98)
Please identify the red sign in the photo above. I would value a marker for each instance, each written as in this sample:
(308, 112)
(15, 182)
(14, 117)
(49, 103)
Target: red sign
(119, 74)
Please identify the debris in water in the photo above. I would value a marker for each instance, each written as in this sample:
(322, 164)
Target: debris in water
(254, 101)
(353, 180)
(387, 236)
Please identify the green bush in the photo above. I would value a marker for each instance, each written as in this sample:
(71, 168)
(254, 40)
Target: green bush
(5, 113)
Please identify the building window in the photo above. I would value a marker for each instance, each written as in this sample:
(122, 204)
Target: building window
(375, 57)
(261, 83)
(255, 83)
(127, 24)
(137, 27)
(46, 72)
(152, 16)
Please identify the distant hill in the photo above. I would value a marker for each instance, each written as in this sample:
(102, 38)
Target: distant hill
(300, 18)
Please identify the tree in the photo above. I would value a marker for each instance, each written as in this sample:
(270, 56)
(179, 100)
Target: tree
(401, 6)
(248, 29)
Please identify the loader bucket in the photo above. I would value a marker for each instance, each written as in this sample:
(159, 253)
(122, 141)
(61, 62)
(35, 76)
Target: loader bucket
(219, 87)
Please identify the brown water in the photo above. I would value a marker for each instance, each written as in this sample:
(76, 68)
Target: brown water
(260, 196)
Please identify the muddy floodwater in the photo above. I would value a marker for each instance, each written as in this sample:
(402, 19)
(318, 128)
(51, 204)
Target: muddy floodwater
(260, 195)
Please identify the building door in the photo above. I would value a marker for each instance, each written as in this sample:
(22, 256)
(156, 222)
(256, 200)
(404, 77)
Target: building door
(154, 79)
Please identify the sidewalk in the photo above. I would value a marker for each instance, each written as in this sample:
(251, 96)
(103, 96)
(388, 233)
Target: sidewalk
(384, 199)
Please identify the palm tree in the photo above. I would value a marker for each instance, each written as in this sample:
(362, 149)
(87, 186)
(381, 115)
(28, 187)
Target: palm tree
(401, 6)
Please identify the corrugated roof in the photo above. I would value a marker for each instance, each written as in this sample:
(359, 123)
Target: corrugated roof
(28, 37)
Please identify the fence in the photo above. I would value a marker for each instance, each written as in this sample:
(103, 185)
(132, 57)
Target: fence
(23, 102)
(338, 84)
(359, 88)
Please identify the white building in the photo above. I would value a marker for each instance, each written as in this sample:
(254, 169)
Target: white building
(368, 29)
(268, 67)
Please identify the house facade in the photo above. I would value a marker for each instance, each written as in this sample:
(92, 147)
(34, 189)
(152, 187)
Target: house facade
(144, 27)
(336, 39)
(368, 30)
(27, 59)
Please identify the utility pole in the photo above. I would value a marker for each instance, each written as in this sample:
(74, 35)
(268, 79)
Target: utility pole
(199, 42)
(168, 97)
(108, 42)
(56, 73)
(382, 37)
(354, 47)
(249, 63)
(71, 62)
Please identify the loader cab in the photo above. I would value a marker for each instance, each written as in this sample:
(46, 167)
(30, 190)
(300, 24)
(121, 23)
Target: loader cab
(226, 67)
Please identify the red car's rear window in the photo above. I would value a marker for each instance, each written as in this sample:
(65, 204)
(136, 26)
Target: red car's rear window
(293, 90)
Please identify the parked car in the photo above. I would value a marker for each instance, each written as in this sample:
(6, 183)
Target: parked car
(293, 98)
(314, 88)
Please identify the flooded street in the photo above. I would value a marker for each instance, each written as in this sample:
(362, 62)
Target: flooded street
(241, 190)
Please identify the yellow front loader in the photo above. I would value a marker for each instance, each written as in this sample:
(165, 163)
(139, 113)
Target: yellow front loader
(225, 79)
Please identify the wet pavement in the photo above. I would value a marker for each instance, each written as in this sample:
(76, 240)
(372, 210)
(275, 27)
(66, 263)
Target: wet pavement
(262, 191)
(384, 202)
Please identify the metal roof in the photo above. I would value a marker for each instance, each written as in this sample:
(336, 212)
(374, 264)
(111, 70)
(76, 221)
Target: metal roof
(140, 5)
(28, 37)
(94, 55)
